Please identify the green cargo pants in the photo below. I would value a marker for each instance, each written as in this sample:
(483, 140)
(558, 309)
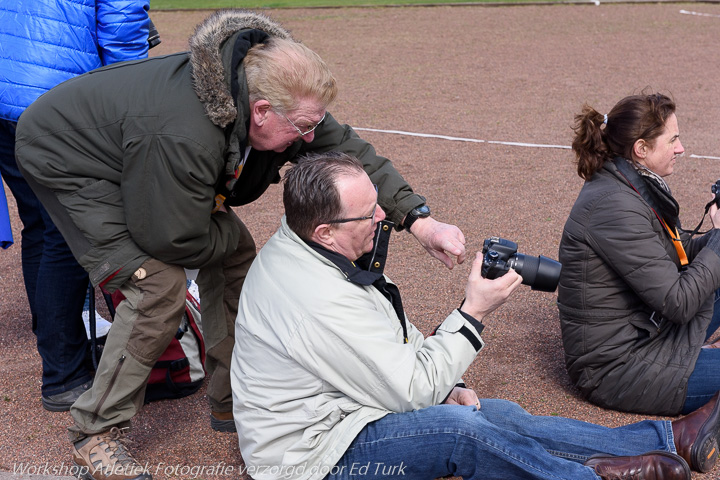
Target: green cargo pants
(143, 326)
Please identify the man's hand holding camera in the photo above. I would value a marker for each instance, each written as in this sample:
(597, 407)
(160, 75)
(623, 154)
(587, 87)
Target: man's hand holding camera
(483, 295)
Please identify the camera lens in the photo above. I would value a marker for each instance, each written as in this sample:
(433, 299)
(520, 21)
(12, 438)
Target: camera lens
(540, 273)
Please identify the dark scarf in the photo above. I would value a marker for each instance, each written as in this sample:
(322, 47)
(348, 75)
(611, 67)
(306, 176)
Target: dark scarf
(236, 133)
(368, 269)
(652, 188)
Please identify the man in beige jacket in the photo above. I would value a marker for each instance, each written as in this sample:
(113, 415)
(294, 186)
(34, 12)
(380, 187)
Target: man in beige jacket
(330, 379)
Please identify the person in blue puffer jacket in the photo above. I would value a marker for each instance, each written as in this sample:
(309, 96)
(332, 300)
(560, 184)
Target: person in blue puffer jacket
(42, 44)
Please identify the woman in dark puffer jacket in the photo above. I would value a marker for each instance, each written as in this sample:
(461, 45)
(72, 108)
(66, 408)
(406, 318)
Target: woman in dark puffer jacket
(637, 294)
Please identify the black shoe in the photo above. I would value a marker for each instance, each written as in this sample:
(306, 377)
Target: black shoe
(61, 402)
(222, 422)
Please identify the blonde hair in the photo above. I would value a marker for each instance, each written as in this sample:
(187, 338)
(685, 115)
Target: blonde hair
(283, 72)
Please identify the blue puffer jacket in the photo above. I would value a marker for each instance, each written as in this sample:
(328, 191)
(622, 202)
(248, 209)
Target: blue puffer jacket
(45, 42)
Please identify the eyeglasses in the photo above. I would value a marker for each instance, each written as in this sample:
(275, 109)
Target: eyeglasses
(309, 130)
(357, 219)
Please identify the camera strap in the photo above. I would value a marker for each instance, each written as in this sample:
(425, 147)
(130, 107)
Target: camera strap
(677, 243)
(368, 269)
(707, 208)
(674, 235)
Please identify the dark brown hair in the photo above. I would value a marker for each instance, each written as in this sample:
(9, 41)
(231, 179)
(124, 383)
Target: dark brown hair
(633, 118)
(310, 193)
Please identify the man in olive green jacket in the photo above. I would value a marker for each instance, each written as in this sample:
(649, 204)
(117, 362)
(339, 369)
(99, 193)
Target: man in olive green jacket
(137, 164)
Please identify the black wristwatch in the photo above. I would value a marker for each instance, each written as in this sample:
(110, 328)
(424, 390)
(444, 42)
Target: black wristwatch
(422, 211)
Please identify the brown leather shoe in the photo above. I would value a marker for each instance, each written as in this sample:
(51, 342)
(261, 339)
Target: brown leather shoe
(655, 465)
(222, 422)
(696, 436)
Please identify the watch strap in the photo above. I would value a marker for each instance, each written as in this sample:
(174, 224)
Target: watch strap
(421, 211)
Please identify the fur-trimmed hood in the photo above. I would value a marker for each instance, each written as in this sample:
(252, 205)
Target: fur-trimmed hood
(208, 70)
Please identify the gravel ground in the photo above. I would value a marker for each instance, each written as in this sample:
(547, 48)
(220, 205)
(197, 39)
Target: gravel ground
(512, 76)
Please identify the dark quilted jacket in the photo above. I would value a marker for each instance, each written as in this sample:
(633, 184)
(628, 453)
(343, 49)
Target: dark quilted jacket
(632, 323)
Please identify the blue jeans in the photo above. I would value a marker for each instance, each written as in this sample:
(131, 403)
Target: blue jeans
(704, 382)
(500, 441)
(54, 282)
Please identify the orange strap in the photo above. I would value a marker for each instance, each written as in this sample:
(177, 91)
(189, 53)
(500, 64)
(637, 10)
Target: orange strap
(678, 244)
(676, 237)
(219, 200)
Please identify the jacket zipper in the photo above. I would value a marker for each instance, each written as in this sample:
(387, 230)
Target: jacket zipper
(107, 392)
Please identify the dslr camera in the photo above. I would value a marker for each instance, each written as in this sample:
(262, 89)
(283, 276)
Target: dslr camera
(500, 255)
(716, 190)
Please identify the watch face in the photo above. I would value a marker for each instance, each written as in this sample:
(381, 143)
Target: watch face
(421, 211)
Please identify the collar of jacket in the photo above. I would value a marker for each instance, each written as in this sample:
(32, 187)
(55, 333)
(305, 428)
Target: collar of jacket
(368, 268)
(651, 191)
(217, 49)
(237, 132)
(211, 76)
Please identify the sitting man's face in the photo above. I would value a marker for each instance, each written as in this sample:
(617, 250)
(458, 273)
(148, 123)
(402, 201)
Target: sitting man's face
(359, 198)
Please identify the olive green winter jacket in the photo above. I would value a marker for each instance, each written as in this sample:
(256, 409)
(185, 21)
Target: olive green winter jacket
(135, 153)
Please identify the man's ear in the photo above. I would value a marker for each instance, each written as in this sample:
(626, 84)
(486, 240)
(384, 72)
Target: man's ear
(259, 112)
(323, 234)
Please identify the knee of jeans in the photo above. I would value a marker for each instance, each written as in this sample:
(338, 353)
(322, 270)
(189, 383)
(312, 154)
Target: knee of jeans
(496, 407)
(453, 418)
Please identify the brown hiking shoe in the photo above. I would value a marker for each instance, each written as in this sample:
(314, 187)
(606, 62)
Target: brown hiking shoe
(104, 456)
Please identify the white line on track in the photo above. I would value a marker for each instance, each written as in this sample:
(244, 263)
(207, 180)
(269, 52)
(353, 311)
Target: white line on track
(460, 139)
(427, 135)
(532, 145)
(475, 140)
(687, 12)
(515, 144)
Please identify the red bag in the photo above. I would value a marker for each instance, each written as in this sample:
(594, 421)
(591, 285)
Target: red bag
(180, 370)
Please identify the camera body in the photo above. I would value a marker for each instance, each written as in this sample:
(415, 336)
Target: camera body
(715, 189)
(500, 255)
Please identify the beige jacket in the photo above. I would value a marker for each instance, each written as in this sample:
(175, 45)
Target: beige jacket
(318, 357)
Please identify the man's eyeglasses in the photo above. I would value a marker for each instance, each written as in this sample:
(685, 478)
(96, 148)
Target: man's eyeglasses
(309, 130)
(357, 219)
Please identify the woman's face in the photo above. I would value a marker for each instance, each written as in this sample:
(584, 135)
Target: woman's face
(660, 156)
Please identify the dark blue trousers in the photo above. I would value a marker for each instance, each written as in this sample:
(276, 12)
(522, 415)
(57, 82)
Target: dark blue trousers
(55, 283)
